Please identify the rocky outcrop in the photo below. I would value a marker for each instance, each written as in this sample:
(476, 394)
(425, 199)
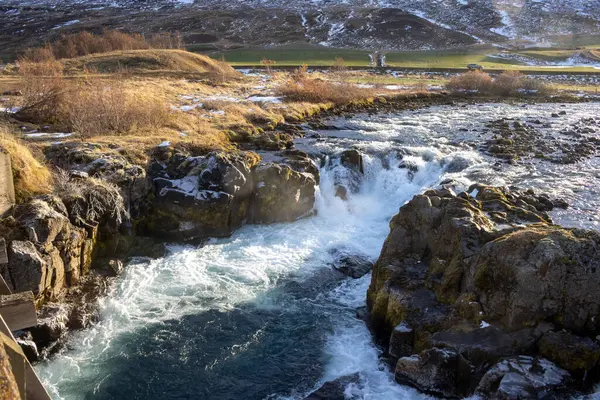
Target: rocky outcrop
(472, 279)
(213, 195)
(201, 196)
(110, 164)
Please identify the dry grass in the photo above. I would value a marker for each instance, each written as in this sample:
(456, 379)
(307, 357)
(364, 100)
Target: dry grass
(85, 43)
(43, 89)
(90, 200)
(31, 177)
(152, 61)
(509, 83)
(301, 87)
(100, 107)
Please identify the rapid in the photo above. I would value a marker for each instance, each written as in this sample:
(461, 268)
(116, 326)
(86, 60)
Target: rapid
(263, 314)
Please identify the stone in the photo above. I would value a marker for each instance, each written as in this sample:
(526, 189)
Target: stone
(341, 192)
(401, 341)
(334, 390)
(29, 349)
(523, 377)
(282, 194)
(439, 372)
(198, 197)
(26, 267)
(352, 265)
(115, 267)
(44, 219)
(485, 275)
(573, 353)
(353, 160)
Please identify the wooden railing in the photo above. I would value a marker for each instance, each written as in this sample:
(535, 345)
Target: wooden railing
(18, 379)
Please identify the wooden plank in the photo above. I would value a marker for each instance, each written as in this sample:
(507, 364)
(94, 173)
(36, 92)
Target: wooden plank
(34, 390)
(4, 289)
(18, 310)
(3, 255)
(17, 362)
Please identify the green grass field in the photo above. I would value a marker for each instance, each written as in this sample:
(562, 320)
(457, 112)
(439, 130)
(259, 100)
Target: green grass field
(321, 57)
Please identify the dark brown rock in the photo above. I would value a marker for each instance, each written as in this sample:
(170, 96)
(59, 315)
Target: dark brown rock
(435, 371)
(573, 353)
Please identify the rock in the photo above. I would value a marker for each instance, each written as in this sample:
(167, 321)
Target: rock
(334, 390)
(44, 220)
(29, 349)
(198, 197)
(27, 269)
(52, 324)
(573, 353)
(341, 192)
(401, 341)
(282, 194)
(452, 261)
(484, 346)
(115, 267)
(523, 377)
(352, 265)
(109, 164)
(352, 159)
(301, 162)
(435, 371)
(539, 273)
(362, 313)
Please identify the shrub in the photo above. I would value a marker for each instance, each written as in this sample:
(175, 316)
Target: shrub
(43, 89)
(473, 81)
(89, 107)
(509, 83)
(31, 177)
(302, 87)
(340, 65)
(97, 107)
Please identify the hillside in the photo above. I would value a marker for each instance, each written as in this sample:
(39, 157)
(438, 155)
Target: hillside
(359, 24)
(140, 61)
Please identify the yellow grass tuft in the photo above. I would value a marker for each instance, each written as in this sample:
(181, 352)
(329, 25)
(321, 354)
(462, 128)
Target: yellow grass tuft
(31, 177)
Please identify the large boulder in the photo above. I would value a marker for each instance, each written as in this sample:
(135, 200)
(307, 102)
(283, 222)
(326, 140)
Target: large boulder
(435, 371)
(571, 352)
(201, 196)
(522, 378)
(282, 194)
(485, 274)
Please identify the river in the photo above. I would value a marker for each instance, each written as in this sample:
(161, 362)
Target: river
(262, 315)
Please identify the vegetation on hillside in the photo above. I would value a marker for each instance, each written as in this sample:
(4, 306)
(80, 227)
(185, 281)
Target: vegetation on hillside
(85, 43)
